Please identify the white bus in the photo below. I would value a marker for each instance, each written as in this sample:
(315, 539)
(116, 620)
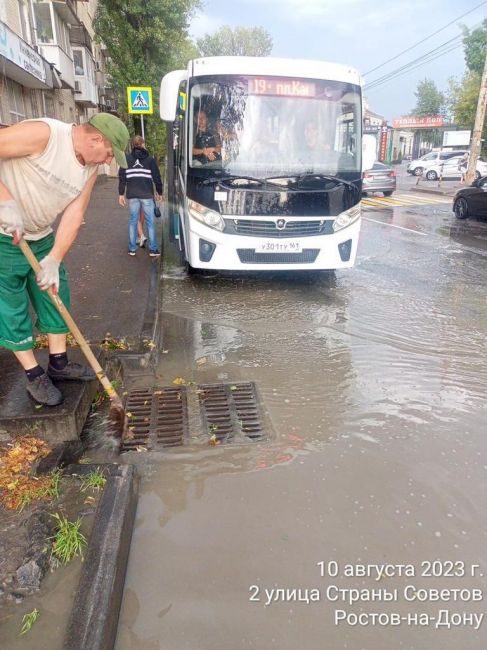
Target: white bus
(264, 163)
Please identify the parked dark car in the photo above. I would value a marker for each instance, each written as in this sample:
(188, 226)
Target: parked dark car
(471, 201)
(381, 178)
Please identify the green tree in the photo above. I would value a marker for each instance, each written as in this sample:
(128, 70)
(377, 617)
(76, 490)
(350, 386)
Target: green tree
(475, 47)
(429, 101)
(241, 41)
(463, 95)
(145, 39)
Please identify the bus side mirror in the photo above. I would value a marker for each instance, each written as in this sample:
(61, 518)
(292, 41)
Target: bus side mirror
(369, 146)
(169, 95)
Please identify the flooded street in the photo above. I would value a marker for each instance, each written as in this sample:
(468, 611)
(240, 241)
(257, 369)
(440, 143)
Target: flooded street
(374, 382)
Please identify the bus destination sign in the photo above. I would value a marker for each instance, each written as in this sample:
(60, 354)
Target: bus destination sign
(281, 87)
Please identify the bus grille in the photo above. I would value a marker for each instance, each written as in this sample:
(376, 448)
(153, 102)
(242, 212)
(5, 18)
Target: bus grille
(254, 228)
(249, 256)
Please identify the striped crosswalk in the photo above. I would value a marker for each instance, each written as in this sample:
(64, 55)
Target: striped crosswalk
(403, 200)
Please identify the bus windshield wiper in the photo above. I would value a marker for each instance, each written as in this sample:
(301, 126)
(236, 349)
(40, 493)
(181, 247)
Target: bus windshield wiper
(237, 177)
(231, 177)
(323, 177)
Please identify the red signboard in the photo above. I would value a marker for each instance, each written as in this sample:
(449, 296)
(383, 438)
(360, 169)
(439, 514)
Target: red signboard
(383, 143)
(425, 122)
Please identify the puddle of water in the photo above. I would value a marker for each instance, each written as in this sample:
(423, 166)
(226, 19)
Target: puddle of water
(375, 383)
(53, 602)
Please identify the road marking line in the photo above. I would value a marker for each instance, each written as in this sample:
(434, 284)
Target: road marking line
(412, 197)
(429, 200)
(402, 202)
(392, 225)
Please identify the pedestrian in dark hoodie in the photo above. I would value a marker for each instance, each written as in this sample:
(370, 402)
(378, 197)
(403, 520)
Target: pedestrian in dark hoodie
(138, 179)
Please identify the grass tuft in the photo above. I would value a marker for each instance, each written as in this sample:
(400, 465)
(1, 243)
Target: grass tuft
(28, 621)
(96, 480)
(69, 541)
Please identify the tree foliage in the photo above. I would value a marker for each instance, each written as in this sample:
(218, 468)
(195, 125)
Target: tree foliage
(463, 95)
(429, 101)
(145, 39)
(475, 47)
(241, 41)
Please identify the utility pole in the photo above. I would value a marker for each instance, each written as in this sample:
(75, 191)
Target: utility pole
(477, 129)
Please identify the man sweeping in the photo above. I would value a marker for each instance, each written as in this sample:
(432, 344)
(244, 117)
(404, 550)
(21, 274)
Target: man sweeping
(47, 168)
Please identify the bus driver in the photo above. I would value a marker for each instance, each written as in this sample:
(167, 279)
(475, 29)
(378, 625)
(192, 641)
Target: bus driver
(206, 148)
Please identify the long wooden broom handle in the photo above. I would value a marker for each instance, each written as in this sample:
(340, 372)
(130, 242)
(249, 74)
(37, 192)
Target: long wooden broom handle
(80, 339)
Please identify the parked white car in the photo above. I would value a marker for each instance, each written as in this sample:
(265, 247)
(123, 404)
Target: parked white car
(450, 169)
(417, 167)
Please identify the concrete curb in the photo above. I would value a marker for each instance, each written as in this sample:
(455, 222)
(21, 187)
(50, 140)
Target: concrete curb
(142, 359)
(19, 414)
(94, 617)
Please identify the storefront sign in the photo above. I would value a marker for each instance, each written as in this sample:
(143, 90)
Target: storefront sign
(16, 50)
(383, 143)
(425, 122)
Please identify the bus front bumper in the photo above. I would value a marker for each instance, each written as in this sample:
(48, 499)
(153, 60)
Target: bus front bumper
(211, 249)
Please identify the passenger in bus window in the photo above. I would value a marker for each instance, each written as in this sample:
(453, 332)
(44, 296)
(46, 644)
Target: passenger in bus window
(206, 147)
(311, 149)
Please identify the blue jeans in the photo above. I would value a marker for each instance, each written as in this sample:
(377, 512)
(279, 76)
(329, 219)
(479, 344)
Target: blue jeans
(148, 208)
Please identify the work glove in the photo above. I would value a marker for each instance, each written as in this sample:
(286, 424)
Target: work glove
(48, 276)
(11, 220)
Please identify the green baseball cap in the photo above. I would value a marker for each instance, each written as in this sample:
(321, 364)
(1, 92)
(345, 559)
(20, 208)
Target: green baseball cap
(114, 130)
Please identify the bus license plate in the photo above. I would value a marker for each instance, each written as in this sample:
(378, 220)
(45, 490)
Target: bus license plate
(279, 247)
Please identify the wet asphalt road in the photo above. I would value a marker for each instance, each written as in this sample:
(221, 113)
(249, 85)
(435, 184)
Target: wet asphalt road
(375, 382)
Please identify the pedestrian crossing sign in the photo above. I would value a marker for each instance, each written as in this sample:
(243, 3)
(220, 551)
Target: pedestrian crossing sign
(140, 100)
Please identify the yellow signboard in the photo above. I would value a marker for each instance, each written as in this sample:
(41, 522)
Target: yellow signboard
(139, 100)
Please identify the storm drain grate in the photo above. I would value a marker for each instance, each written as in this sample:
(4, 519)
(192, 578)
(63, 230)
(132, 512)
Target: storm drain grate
(158, 417)
(231, 411)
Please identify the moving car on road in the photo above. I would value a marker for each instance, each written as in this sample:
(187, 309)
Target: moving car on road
(471, 201)
(416, 167)
(451, 169)
(381, 178)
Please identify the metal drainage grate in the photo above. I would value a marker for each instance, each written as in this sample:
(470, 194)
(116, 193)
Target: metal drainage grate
(231, 410)
(158, 417)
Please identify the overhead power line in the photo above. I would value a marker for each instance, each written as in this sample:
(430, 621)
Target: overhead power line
(426, 38)
(401, 73)
(439, 51)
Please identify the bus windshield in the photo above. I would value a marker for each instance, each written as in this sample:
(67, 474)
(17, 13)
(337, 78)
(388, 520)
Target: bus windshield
(273, 126)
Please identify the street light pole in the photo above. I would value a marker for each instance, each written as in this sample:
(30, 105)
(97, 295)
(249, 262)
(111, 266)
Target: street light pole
(477, 130)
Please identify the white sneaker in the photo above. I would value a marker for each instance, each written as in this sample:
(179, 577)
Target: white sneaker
(141, 241)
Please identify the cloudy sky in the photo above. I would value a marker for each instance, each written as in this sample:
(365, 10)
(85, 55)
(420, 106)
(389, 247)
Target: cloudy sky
(360, 33)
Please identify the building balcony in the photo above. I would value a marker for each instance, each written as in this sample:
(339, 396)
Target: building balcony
(61, 61)
(85, 92)
(79, 36)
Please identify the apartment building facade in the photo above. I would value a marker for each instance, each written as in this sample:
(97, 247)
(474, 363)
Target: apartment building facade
(49, 63)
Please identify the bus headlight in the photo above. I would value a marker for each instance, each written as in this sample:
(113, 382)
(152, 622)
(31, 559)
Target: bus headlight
(344, 219)
(205, 215)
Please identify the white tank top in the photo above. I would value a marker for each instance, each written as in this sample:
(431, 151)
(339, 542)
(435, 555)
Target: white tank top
(44, 185)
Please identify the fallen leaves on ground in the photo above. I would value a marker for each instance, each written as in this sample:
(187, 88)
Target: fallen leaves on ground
(112, 343)
(41, 341)
(179, 381)
(16, 462)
